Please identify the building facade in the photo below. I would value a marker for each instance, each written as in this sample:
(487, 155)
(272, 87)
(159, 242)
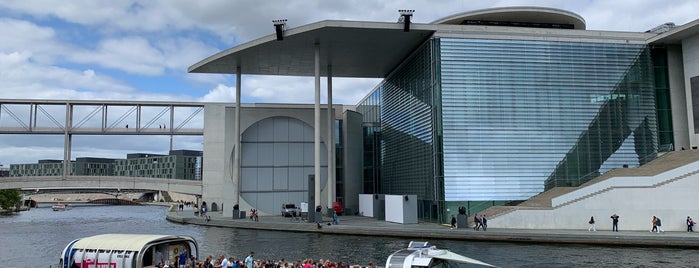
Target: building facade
(494, 106)
(82, 166)
(178, 164)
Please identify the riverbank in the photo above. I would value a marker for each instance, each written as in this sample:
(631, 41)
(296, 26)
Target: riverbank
(365, 226)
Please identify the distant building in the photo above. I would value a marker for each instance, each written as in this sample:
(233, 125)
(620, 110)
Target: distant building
(179, 164)
(4, 171)
(85, 166)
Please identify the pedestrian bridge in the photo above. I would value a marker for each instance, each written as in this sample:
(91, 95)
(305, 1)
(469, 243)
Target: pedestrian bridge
(116, 183)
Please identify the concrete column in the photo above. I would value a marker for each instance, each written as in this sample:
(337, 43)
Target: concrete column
(67, 140)
(316, 127)
(236, 139)
(331, 142)
(172, 121)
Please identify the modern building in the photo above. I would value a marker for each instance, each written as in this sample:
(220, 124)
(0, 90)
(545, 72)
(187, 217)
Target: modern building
(87, 166)
(178, 164)
(477, 109)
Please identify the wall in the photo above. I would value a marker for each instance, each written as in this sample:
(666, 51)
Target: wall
(635, 205)
(690, 57)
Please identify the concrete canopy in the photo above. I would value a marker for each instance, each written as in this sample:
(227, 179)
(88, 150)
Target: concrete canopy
(353, 49)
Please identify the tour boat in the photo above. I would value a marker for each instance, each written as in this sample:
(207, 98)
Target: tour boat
(59, 207)
(127, 250)
(421, 254)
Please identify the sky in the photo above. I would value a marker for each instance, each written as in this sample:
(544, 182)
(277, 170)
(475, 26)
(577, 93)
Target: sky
(140, 51)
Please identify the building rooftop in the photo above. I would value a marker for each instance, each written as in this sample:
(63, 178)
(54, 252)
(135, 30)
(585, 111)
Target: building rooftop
(536, 17)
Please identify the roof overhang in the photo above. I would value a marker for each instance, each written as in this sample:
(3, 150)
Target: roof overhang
(676, 35)
(353, 49)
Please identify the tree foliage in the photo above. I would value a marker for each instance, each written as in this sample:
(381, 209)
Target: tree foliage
(9, 197)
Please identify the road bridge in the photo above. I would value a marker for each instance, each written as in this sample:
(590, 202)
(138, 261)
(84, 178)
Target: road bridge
(102, 183)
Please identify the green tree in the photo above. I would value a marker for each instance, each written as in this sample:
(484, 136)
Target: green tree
(9, 197)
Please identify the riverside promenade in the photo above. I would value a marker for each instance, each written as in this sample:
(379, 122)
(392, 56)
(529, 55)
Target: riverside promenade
(357, 225)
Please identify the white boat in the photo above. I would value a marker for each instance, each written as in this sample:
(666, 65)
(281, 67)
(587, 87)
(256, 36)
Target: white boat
(422, 254)
(127, 250)
(59, 207)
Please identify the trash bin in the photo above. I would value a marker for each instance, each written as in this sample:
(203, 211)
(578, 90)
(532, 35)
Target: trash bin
(242, 215)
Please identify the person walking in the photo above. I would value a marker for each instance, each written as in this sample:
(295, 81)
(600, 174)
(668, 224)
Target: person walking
(690, 224)
(655, 224)
(484, 222)
(477, 222)
(592, 225)
(615, 223)
(660, 225)
(453, 222)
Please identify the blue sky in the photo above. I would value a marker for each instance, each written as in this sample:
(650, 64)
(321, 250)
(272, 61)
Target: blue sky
(140, 50)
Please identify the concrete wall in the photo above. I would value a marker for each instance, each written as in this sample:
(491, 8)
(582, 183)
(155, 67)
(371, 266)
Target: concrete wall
(217, 167)
(216, 158)
(690, 58)
(678, 97)
(635, 200)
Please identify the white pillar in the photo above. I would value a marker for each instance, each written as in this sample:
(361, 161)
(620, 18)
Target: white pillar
(331, 142)
(236, 139)
(316, 127)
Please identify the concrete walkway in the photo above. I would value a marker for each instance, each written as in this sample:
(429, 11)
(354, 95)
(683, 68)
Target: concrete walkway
(356, 225)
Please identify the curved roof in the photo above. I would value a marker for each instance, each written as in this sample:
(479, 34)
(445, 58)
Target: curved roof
(518, 14)
(129, 242)
(352, 48)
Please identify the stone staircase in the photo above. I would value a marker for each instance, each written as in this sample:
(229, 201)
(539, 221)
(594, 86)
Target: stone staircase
(665, 162)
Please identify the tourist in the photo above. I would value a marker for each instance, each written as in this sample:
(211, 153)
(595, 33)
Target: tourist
(249, 259)
(453, 222)
(592, 224)
(477, 222)
(484, 222)
(654, 221)
(615, 223)
(184, 256)
(660, 225)
(690, 224)
(223, 261)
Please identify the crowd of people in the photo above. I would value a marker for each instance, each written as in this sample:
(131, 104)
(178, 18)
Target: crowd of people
(184, 260)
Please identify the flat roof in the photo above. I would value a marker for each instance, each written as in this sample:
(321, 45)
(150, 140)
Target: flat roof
(353, 49)
(676, 35)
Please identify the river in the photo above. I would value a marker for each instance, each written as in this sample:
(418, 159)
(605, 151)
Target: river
(36, 238)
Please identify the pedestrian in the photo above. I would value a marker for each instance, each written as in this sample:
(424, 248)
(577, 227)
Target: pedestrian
(592, 225)
(615, 223)
(690, 224)
(335, 220)
(655, 224)
(453, 222)
(477, 222)
(660, 225)
(484, 222)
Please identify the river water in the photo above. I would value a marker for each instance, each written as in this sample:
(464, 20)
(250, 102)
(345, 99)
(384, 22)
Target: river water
(36, 238)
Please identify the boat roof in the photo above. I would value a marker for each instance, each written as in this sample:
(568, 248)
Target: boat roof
(128, 242)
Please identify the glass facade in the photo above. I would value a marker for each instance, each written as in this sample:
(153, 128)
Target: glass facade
(489, 121)
(521, 114)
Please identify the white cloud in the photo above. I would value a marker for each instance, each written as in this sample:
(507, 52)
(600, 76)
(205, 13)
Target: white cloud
(221, 93)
